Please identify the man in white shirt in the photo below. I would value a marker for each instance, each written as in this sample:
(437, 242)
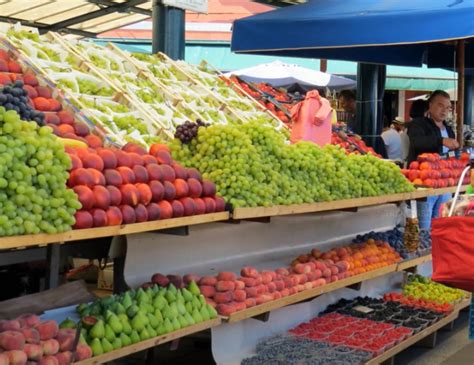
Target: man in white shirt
(393, 143)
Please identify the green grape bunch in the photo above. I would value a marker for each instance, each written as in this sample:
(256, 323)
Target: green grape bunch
(33, 174)
(253, 165)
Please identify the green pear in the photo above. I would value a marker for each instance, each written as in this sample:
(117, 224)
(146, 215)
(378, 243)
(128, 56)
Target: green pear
(204, 313)
(161, 329)
(170, 296)
(127, 300)
(168, 325)
(158, 316)
(137, 323)
(97, 330)
(176, 324)
(135, 337)
(189, 307)
(150, 293)
(151, 331)
(68, 323)
(126, 327)
(197, 316)
(123, 317)
(189, 319)
(187, 294)
(109, 334)
(159, 302)
(117, 344)
(96, 347)
(139, 293)
(155, 289)
(143, 297)
(212, 311)
(106, 345)
(119, 308)
(196, 303)
(115, 324)
(154, 323)
(144, 335)
(126, 341)
(193, 288)
(169, 313)
(96, 310)
(132, 311)
(182, 321)
(179, 297)
(149, 308)
(202, 300)
(172, 288)
(82, 338)
(181, 308)
(144, 318)
(174, 309)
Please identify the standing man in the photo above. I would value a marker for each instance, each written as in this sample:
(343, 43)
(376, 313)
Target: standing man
(347, 101)
(431, 134)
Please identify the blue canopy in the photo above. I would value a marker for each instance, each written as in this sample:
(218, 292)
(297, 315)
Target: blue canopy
(395, 32)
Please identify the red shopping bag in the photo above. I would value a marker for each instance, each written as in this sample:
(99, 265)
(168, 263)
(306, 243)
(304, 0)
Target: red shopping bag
(453, 251)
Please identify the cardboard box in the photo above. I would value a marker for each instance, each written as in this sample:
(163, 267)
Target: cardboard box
(106, 278)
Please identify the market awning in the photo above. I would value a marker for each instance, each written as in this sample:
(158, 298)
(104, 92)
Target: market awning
(373, 31)
(85, 18)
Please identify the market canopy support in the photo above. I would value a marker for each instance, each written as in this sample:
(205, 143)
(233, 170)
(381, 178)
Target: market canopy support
(168, 30)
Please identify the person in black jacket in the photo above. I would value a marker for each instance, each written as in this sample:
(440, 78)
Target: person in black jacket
(431, 134)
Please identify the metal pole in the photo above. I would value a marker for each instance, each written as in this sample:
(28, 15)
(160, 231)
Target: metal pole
(468, 96)
(168, 34)
(323, 65)
(460, 53)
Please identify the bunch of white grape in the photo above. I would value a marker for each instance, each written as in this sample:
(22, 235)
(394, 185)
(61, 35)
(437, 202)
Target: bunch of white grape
(33, 174)
(252, 165)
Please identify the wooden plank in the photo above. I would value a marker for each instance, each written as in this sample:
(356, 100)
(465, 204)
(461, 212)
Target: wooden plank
(83, 234)
(307, 294)
(152, 342)
(245, 213)
(413, 262)
(419, 336)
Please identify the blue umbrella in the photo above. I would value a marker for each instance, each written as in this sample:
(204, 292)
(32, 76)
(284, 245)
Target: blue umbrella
(374, 31)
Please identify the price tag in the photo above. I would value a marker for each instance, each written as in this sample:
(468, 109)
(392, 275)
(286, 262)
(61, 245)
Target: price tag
(451, 154)
(363, 309)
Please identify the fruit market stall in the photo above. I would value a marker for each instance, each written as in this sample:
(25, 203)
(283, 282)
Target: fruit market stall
(122, 146)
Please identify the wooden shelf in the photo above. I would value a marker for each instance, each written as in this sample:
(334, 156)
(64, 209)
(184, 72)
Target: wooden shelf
(152, 342)
(109, 231)
(420, 335)
(276, 210)
(407, 264)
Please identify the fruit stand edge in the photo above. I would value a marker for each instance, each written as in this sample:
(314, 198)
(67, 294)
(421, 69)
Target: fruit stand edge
(82, 234)
(257, 212)
(419, 336)
(152, 342)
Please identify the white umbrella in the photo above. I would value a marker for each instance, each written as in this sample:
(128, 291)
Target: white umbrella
(281, 74)
(452, 95)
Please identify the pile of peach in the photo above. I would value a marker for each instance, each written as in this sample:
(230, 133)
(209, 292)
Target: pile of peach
(230, 293)
(28, 340)
(131, 186)
(41, 99)
(357, 258)
(432, 171)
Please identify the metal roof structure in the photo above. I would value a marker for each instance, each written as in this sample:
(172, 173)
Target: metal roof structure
(82, 18)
